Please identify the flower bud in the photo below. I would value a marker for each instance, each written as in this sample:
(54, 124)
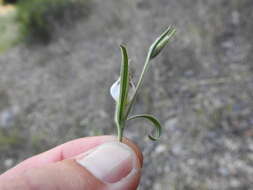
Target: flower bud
(161, 42)
(160, 47)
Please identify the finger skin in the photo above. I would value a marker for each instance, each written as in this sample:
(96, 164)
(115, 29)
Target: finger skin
(39, 171)
(65, 151)
(65, 175)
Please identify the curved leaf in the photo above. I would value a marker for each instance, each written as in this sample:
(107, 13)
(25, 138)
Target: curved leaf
(154, 121)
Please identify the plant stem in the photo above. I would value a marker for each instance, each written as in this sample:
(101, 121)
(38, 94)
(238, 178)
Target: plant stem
(154, 50)
(120, 128)
(139, 83)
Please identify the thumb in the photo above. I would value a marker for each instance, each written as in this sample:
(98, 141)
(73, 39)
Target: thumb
(112, 166)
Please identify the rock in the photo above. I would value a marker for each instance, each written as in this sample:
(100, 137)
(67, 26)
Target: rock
(177, 149)
(235, 183)
(8, 162)
(8, 116)
(171, 124)
(160, 149)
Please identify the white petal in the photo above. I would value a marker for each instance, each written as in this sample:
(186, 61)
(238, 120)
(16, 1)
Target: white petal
(115, 90)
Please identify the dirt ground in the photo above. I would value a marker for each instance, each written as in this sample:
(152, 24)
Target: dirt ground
(200, 87)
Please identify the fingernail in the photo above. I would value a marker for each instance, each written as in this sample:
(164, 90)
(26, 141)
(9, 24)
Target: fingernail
(109, 162)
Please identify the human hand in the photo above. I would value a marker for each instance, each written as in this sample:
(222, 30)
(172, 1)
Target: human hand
(88, 163)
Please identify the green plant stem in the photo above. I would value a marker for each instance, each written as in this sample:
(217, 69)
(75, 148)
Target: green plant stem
(163, 39)
(120, 128)
(145, 68)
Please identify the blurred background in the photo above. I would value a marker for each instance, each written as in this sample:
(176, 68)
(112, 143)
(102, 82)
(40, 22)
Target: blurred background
(58, 59)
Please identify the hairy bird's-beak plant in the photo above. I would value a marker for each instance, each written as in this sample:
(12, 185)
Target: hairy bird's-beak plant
(124, 91)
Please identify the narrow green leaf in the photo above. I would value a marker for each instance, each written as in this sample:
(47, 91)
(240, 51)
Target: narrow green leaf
(124, 83)
(154, 121)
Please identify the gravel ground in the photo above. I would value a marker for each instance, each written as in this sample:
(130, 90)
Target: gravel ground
(201, 88)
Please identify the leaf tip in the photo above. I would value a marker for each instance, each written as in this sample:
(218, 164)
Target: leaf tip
(152, 138)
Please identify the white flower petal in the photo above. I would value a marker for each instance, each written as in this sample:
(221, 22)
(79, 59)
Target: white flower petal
(115, 90)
